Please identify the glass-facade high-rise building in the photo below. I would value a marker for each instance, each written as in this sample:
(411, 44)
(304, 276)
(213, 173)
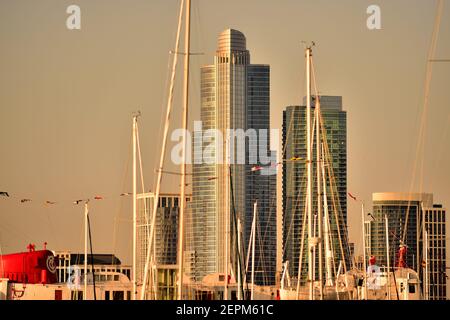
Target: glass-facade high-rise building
(395, 206)
(165, 233)
(433, 222)
(423, 216)
(295, 179)
(234, 96)
(261, 185)
(165, 242)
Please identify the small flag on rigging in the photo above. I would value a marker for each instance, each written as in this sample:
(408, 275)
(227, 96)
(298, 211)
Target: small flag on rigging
(352, 196)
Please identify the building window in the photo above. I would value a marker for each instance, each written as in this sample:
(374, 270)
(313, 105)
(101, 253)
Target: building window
(58, 294)
(117, 295)
(107, 295)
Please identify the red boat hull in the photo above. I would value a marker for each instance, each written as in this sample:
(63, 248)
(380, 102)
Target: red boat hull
(29, 267)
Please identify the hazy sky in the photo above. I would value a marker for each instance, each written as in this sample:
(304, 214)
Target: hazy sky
(66, 99)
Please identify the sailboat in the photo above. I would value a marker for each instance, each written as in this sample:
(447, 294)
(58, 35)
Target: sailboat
(335, 285)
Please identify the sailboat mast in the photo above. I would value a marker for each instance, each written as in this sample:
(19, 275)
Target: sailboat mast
(227, 224)
(309, 172)
(187, 41)
(426, 278)
(326, 225)
(239, 291)
(247, 261)
(86, 212)
(134, 206)
(319, 194)
(388, 258)
(163, 152)
(364, 249)
(253, 249)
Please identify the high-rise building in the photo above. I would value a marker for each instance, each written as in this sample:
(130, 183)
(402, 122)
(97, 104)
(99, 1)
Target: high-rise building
(395, 206)
(234, 96)
(295, 179)
(261, 185)
(165, 232)
(421, 217)
(435, 266)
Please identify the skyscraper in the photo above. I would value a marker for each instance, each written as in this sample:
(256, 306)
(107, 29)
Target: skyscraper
(261, 185)
(294, 181)
(234, 95)
(166, 229)
(165, 242)
(435, 265)
(423, 217)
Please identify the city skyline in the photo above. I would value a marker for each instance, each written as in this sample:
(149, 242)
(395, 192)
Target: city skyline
(63, 135)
